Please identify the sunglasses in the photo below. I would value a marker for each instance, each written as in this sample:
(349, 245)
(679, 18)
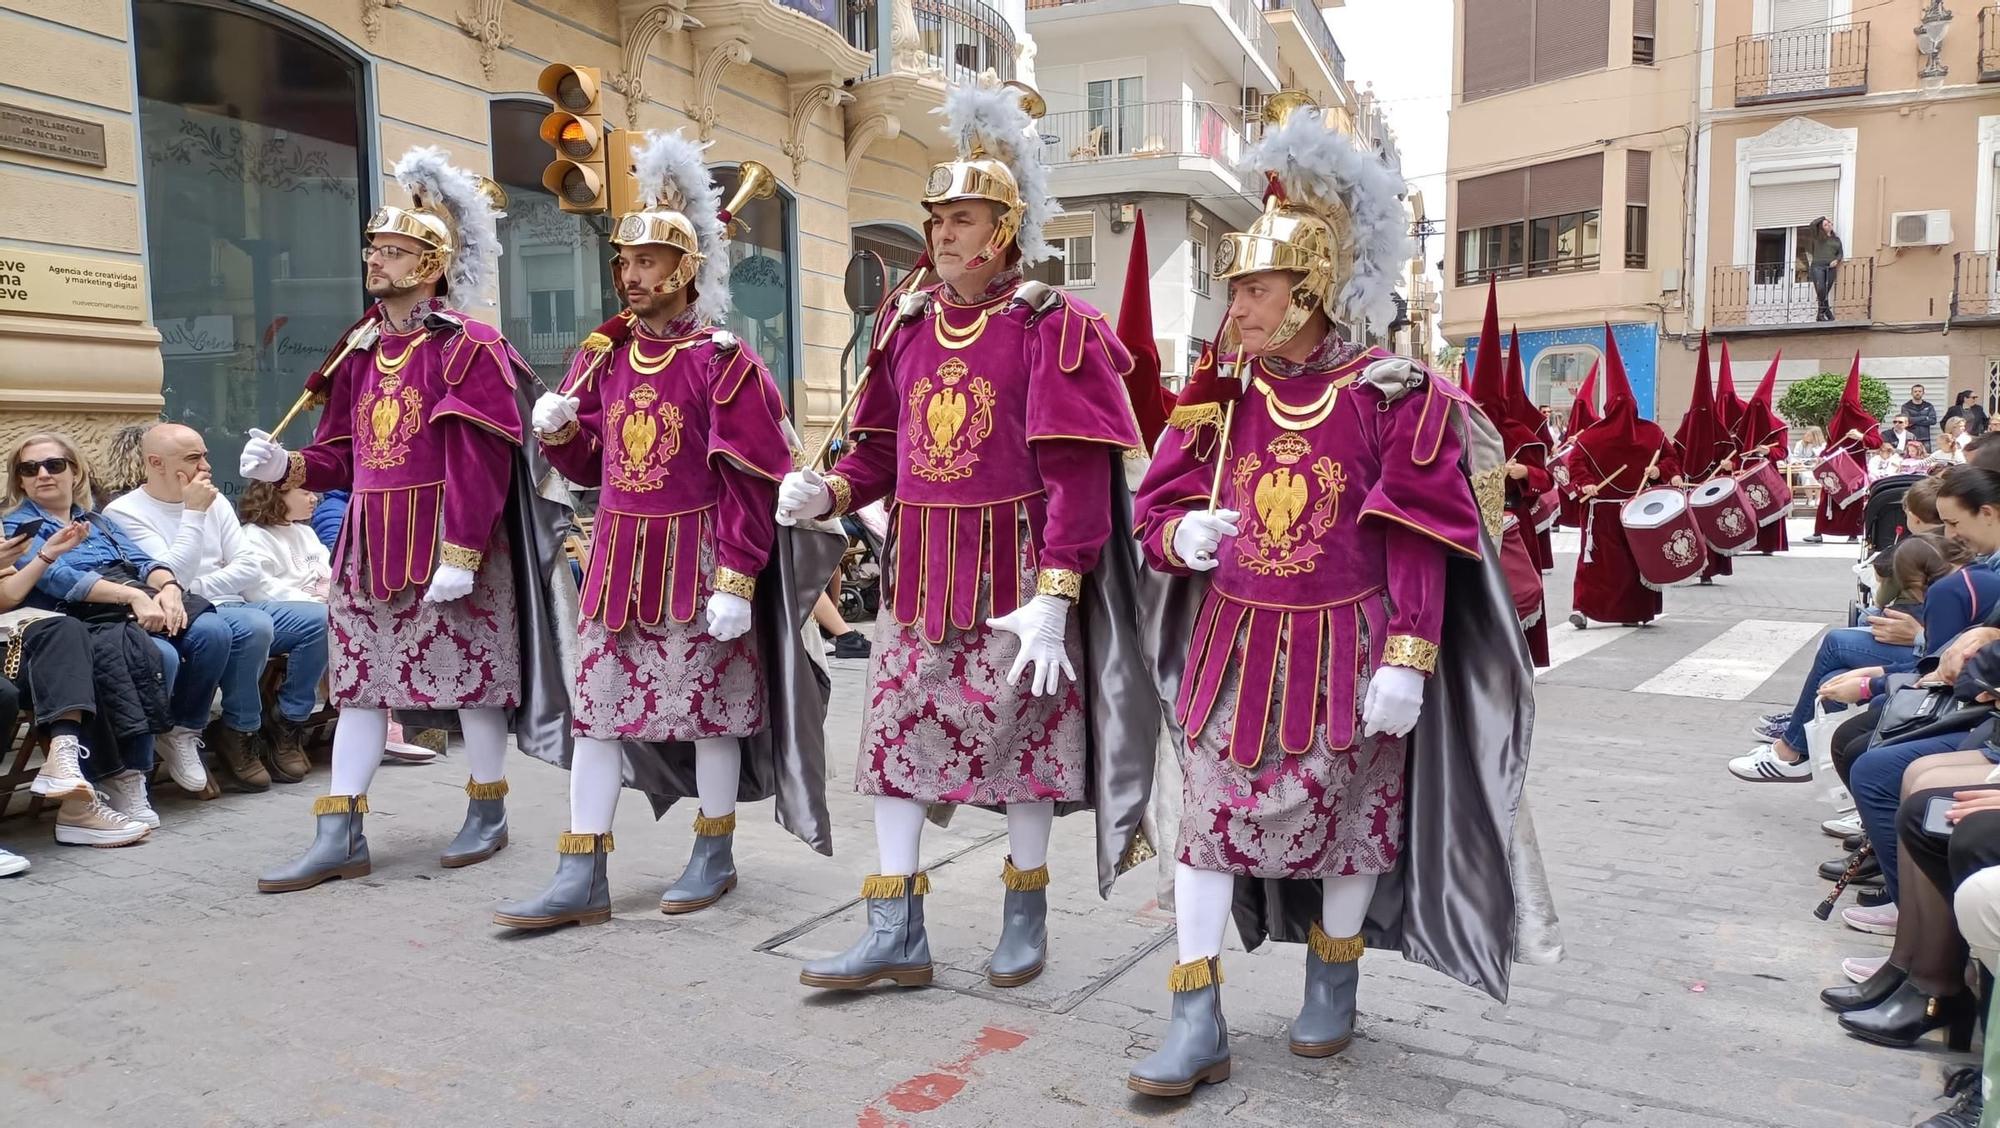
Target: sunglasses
(31, 468)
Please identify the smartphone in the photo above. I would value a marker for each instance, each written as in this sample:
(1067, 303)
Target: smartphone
(1934, 821)
(28, 530)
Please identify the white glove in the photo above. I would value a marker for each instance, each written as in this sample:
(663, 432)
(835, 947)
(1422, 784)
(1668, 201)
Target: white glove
(553, 412)
(1200, 533)
(264, 459)
(449, 582)
(1040, 624)
(803, 496)
(728, 615)
(1395, 697)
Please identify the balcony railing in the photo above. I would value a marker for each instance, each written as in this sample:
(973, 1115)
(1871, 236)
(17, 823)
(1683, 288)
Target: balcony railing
(546, 349)
(1794, 66)
(1781, 295)
(956, 39)
(1317, 33)
(1141, 129)
(1975, 291)
(1243, 13)
(1989, 44)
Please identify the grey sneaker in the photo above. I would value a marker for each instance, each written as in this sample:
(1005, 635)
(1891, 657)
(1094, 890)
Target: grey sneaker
(126, 792)
(180, 748)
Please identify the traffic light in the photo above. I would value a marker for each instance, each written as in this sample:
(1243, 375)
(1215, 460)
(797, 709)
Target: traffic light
(575, 131)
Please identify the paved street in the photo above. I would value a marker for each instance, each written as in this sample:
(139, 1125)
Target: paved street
(154, 986)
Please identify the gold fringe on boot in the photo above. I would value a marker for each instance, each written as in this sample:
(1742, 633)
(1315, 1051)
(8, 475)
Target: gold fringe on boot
(720, 827)
(1344, 950)
(339, 805)
(495, 790)
(1025, 881)
(1195, 976)
(570, 843)
(884, 886)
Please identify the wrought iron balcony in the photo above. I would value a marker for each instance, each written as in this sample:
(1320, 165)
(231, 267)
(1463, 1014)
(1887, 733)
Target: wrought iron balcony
(1975, 290)
(1797, 66)
(957, 40)
(1782, 296)
(1989, 44)
(1140, 130)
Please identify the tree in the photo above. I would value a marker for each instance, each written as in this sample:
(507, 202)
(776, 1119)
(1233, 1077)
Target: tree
(1811, 402)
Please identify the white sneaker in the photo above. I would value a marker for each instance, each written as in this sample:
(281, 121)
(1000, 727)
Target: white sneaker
(126, 794)
(61, 776)
(1841, 827)
(181, 749)
(11, 863)
(1763, 766)
(92, 822)
(1880, 921)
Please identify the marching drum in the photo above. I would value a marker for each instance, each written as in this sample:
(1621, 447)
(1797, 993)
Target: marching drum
(1665, 541)
(1843, 478)
(1769, 492)
(1543, 509)
(1722, 512)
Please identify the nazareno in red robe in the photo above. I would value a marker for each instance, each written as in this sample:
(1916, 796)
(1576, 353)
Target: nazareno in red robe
(1622, 455)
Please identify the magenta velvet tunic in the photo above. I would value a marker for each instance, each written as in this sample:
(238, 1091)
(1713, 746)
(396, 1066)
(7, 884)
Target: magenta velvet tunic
(1345, 498)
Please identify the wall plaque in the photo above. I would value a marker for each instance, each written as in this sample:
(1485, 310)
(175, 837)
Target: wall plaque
(51, 135)
(71, 286)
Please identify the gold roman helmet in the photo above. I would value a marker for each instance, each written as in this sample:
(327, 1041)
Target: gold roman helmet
(978, 175)
(430, 223)
(666, 227)
(1307, 238)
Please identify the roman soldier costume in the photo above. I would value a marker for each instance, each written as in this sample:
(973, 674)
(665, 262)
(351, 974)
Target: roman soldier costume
(1335, 641)
(422, 423)
(1621, 455)
(1763, 436)
(1705, 446)
(683, 432)
(996, 424)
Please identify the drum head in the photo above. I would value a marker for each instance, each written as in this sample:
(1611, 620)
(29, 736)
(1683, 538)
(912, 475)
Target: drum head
(1713, 492)
(1654, 508)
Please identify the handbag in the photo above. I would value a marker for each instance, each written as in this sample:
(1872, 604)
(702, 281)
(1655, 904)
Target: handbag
(1914, 711)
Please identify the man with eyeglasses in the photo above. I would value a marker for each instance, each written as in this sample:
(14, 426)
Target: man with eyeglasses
(423, 422)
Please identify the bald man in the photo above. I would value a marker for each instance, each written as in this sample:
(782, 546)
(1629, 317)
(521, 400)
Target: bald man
(178, 517)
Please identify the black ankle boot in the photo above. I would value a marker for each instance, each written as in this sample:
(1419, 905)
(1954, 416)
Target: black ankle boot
(1866, 994)
(1910, 1013)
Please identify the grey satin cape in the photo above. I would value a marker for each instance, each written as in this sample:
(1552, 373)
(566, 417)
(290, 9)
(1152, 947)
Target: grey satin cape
(1468, 896)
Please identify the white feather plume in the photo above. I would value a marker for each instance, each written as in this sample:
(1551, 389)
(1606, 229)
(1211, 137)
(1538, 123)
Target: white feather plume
(671, 173)
(990, 116)
(427, 172)
(1319, 167)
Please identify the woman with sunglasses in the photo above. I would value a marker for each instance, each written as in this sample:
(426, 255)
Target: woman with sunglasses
(110, 584)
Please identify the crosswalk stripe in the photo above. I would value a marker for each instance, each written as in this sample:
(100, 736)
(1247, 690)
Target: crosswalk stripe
(1566, 643)
(1732, 665)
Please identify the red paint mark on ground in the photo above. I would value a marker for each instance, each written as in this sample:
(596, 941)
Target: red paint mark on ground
(926, 1092)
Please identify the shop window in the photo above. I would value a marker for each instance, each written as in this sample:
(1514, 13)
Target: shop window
(763, 280)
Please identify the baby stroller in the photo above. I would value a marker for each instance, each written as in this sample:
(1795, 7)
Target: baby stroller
(1882, 530)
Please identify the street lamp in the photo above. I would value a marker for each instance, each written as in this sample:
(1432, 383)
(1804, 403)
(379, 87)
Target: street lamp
(1930, 43)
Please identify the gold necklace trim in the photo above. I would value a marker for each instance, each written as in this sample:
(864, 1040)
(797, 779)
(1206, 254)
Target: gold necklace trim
(1297, 417)
(389, 366)
(650, 365)
(954, 338)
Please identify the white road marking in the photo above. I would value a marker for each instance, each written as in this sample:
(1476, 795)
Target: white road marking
(1732, 665)
(1567, 644)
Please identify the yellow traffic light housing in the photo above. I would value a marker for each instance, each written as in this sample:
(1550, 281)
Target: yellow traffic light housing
(575, 133)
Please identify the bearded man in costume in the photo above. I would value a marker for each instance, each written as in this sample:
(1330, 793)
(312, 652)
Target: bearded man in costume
(682, 429)
(422, 423)
(994, 417)
(1327, 514)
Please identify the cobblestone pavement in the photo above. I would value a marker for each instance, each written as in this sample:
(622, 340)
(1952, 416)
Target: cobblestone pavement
(154, 985)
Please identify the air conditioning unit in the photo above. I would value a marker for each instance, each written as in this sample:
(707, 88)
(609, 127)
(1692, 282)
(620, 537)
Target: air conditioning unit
(1670, 280)
(1920, 229)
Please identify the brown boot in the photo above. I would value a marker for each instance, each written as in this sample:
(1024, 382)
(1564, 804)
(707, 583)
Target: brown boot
(285, 750)
(237, 752)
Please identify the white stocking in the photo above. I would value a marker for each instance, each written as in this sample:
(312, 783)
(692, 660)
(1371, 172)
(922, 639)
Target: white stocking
(485, 733)
(1028, 827)
(358, 739)
(596, 775)
(899, 833)
(1201, 910)
(718, 765)
(1344, 904)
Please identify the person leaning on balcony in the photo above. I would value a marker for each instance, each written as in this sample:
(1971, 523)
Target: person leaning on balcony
(1826, 255)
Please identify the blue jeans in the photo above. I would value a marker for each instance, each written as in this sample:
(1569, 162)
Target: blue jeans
(296, 630)
(1876, 781)
(1843, 648)
(203, 651)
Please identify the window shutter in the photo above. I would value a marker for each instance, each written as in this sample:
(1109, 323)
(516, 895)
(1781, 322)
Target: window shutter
(1642, 17)
(1070, 225)
(1562, 187)
(1792, 199)
(1794, 15)
(1498, 51)
(1638, 177)
(1500, 197)
(1571, 37)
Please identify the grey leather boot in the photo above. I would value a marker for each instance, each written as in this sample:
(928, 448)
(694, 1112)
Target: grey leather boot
(1333, 970)
(338, 848)
(580, 893)
(894, 947)
(1024, 928)
(711, 868)
(484, 832)
(1195, 1050)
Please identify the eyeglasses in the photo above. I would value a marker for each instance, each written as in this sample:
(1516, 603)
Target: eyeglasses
(389, 255)
(33, 469)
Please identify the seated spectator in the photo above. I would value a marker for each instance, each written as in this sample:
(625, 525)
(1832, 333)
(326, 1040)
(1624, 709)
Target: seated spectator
(102, 580)
(123, 468)
(294, 571)
(328, 515)
(1806, 447)
(1956, 438)
(178, 518)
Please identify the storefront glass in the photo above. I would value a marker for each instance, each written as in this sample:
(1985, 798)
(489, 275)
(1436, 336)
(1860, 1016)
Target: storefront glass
(763, 270)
